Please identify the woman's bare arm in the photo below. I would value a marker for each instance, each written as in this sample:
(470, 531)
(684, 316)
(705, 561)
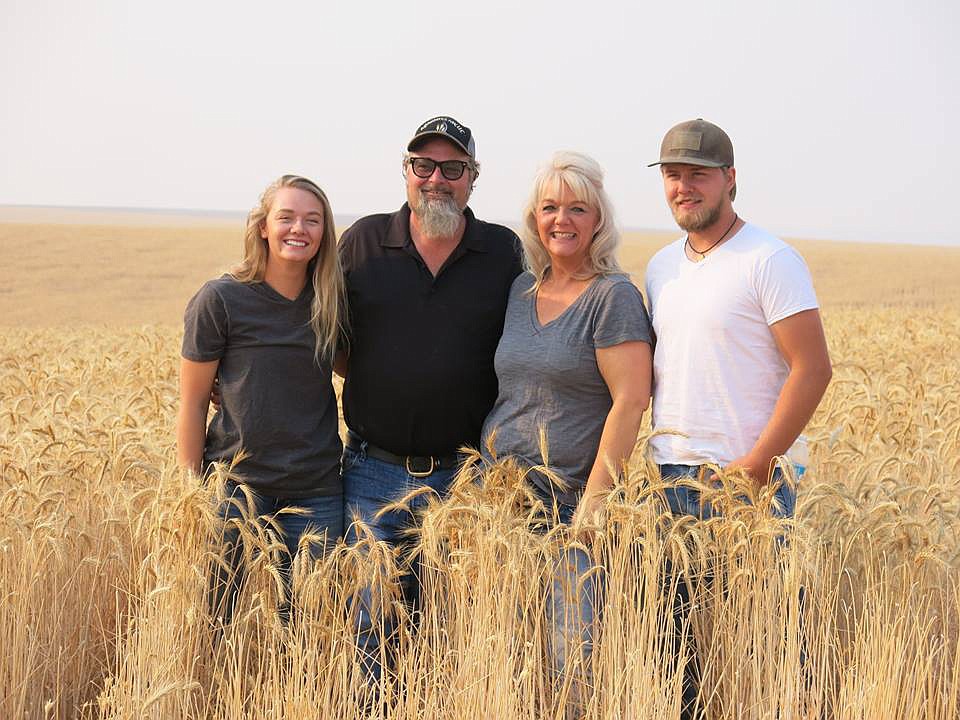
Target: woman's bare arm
(627, 369)
(196, 382)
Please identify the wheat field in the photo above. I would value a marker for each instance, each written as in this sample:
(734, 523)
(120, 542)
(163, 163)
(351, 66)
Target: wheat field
(850, 611)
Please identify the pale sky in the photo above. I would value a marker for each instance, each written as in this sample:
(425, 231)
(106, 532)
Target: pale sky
(843, 115)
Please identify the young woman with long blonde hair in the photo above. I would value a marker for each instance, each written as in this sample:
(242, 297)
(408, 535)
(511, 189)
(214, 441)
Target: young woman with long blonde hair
(267, 333)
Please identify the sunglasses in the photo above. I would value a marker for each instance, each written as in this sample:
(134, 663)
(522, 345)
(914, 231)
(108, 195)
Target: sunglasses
(451, 169)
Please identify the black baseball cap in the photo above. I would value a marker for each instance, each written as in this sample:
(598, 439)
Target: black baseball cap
(447, 128)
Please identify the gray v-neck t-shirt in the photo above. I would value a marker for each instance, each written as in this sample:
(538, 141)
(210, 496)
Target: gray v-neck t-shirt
(548, 377)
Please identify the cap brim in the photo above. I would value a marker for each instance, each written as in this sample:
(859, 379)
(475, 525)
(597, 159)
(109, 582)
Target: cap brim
(681, 160)
(420, 136)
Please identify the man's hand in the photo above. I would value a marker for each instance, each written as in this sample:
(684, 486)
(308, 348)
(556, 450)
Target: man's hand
(215, 398)
(803, 346)
(758, 468)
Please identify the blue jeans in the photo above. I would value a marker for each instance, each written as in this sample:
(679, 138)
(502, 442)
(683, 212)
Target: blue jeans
(369, 484)
(685, 500)
(323, 514)
(571, 609)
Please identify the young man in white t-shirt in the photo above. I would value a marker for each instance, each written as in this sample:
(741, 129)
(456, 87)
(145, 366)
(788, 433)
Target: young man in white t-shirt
(740, 361)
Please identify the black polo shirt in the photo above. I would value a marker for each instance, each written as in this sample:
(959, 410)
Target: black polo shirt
(421, 378)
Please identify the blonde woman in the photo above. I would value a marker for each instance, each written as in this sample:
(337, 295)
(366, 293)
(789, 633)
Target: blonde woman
(268, 331)
(575, 356)
(574, 361)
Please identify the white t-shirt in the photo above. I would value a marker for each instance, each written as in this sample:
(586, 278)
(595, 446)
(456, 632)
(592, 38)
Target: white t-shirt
(717, 370)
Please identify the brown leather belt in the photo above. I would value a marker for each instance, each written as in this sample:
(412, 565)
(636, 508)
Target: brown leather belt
(418, 466)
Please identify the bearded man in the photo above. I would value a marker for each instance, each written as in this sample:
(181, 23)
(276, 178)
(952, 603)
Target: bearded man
(427, 288)
(741, 361)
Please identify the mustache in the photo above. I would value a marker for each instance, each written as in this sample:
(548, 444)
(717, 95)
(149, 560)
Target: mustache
(435, 189)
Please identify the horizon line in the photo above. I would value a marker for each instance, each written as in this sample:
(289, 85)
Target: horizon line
(345, 219)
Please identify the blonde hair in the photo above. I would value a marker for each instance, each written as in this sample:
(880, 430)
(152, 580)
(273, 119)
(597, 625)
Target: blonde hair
(583, 176)
(328, 315)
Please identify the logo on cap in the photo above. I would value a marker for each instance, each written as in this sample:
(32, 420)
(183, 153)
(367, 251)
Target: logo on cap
(687, 141)
(447, 127)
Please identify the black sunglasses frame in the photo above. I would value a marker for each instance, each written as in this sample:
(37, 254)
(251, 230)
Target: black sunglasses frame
(450, 169)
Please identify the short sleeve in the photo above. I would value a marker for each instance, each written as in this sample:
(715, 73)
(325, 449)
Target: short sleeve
(205, 326)
(622, 316)
(343, 339)
(516, 258)
(784, 286)
(346, 249)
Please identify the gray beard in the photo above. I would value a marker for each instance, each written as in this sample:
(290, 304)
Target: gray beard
(439, 217)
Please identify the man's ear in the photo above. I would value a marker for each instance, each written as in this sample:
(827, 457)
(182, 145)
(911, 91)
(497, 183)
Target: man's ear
(731, 175)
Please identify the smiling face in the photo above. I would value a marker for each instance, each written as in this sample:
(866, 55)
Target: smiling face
(293, 228)
(566, 226)
(698, 196)
(421, 192)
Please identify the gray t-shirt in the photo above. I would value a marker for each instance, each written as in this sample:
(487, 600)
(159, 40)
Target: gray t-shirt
(549, 378)
(277, 403)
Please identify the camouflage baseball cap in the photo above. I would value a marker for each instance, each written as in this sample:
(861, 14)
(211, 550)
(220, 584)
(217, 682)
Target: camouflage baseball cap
(696, 142)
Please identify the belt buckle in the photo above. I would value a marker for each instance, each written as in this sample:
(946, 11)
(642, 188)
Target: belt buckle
(418, 473)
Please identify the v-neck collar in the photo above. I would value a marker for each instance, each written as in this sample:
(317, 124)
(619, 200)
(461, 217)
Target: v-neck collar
(535, 316)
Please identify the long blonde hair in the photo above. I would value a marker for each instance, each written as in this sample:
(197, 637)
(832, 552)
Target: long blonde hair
(328, 315)
(584, 177)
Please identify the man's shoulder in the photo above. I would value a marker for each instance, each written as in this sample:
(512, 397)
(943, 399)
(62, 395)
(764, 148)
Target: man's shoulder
(669, 253)
(496, 237)
(761, 242)
(493, 229)
(369, 226)
(760, 253)
(497, 242)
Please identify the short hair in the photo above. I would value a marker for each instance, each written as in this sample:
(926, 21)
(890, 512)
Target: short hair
(328, 312)
(584, 178)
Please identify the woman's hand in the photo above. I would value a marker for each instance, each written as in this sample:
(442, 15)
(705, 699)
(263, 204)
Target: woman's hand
(341, 363)
(586, 519)
(215, 397)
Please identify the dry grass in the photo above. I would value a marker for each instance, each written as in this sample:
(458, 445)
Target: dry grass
(117, 275)
(114, 274)
(104, 546)
(850, 273)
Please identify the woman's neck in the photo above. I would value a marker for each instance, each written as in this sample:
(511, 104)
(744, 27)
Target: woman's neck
(561, 275)
(288, 280)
